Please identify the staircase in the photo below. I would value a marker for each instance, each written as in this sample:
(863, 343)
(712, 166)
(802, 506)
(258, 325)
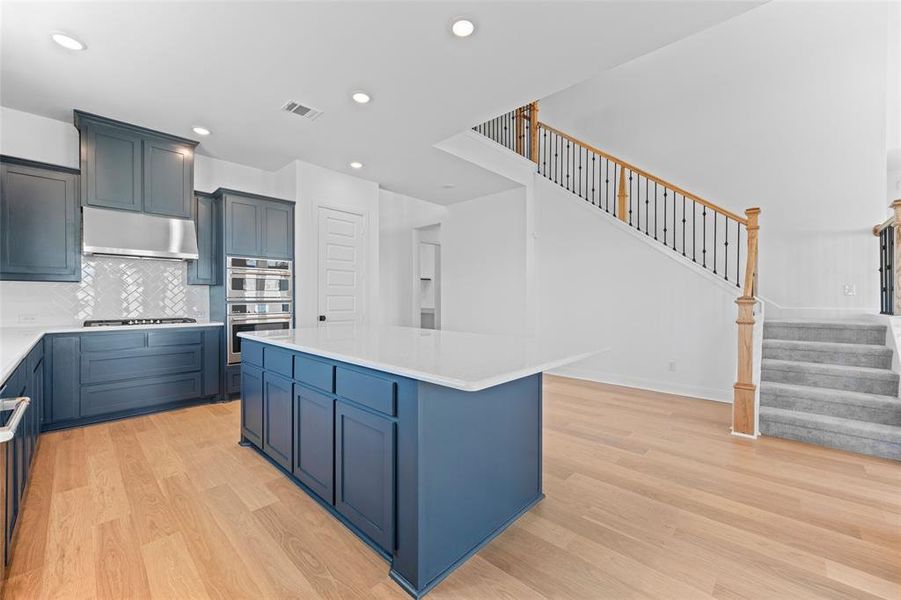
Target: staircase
(831, 384)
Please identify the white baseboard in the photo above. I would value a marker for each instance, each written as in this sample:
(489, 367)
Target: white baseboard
(699, 392)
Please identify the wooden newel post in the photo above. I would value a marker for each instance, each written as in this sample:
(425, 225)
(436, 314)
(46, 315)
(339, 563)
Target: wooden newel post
(520, 127)
(744, 417)
(896, 258)
(533, 131)
(622, 196)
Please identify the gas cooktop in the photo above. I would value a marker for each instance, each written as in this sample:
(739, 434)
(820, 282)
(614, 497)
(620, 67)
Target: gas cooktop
(121, 322)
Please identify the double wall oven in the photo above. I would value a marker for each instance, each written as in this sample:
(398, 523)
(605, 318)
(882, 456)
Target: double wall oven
(259, 294)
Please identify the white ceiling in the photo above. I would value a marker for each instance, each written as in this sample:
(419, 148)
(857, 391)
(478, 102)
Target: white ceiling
(230, 67)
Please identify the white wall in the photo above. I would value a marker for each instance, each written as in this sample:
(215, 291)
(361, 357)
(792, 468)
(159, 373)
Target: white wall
(603, 283)
(782, 107)
(399, 216)
(483, 256)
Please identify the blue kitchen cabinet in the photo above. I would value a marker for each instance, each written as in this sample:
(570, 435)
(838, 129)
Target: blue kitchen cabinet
(40, 236)
(168, 177)
(252, 404)
(278, 230)
(243, 226)
(99, 376)
(364, 471)
(314, 441)
(127, 167)
(207, 269)
(257, 226)
(278, 419)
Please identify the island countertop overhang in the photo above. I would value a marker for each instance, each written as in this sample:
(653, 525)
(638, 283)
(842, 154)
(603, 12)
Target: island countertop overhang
(464, 361)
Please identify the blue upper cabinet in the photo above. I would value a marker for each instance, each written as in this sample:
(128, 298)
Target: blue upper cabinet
(131, 168)
(257, 226)
(168, 178)
(40, 238)
(208, 220)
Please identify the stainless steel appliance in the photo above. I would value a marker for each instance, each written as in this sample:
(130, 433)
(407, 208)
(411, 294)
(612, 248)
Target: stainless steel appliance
(254, 316)
(12, 409)
(152, 321)
(127, 233)
(249, 279)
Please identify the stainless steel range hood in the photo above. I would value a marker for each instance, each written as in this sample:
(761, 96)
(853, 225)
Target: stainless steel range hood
(125, 233)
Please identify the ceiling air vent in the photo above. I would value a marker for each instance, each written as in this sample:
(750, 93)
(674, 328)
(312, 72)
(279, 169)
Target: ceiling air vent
(304, 111)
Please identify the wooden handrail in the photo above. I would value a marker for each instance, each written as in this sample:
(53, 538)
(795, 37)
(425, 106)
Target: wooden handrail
(644, 173)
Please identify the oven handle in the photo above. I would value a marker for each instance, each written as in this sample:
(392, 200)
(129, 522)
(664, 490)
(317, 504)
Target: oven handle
(20, 405)
(280, 274)
(285, 319)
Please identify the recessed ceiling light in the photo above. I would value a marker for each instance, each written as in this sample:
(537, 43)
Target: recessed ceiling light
(201, 131)
(361, 97)
(67, 41)
(356, 165)
(463, 28)
(447, 186)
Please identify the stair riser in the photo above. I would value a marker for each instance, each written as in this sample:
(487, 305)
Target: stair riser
(849, 359)
(885, 386)
(831, 439)
(833, 409)
(846, 335)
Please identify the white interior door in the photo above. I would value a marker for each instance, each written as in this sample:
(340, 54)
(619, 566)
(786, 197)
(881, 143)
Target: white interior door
(342, 264)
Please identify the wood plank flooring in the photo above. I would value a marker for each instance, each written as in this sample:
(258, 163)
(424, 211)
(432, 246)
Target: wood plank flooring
(648, 496)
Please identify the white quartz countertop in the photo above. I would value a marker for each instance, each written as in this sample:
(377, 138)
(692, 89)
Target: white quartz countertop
(464, 361)
(17, 342)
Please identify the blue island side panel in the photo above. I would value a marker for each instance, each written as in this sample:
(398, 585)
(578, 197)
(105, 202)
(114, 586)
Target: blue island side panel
(479, 467)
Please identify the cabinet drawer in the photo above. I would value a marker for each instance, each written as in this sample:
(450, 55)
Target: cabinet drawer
(368, 390)
(278, 361)
(105, 342)
(139, 393)
(314, 372)
(252, 352)
(174, 338)
(99, 367)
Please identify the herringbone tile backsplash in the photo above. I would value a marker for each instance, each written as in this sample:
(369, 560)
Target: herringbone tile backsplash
(110, 288)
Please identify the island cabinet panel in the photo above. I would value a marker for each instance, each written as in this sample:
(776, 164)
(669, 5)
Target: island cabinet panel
(278, 419)
(377, 393)
(40, 237)
(364, 471)
(315, 373)
(314, 441)
(252, 404)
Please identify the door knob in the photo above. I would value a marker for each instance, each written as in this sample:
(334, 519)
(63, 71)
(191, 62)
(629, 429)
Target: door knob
(322, 317)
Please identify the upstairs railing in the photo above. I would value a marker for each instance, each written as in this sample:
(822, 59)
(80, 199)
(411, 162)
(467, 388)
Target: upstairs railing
(710, 236)
(888, 232)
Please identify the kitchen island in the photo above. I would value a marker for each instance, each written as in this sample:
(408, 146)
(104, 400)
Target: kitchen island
(426, 444)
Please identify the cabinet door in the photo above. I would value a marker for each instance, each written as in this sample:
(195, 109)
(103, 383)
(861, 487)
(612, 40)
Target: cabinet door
(278, 230)
(243, 227)
(364, 472)
(252, 404)
(207, 268)
(65, 378)
(212, 362)
(314, 441)
(111, 163)
(168, 178)
(40, 238)
(278, 418)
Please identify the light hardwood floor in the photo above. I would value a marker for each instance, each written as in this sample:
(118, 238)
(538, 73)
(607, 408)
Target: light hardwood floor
(648, 496)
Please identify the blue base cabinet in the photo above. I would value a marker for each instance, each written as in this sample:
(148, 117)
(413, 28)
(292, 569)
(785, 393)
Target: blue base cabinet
(99, 376)
(425, 474)
(18, 454)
